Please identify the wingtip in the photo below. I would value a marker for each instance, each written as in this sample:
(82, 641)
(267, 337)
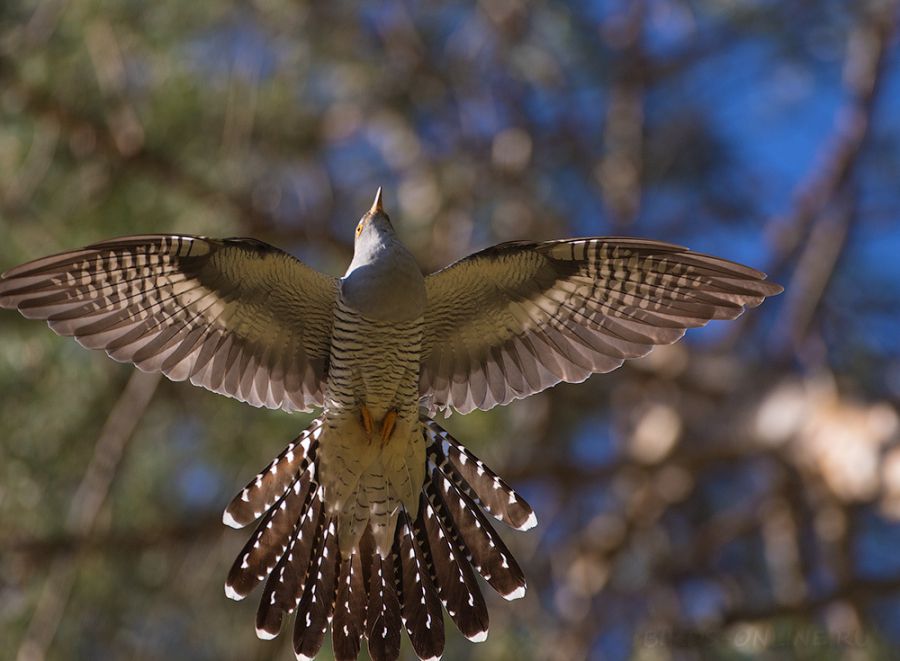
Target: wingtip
(479, 637)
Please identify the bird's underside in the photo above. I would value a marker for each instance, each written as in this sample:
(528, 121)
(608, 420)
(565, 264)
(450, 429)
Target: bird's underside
(372, 457)
(427, 568)
(247, 320)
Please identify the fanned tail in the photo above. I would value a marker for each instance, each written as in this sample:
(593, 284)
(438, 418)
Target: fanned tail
(374, 594)
(269, 485)
(472, 477)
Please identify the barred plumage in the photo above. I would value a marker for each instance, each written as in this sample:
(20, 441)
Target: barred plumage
(348, 626)
(236, 316)
(519, 317)
(421, 608)
(284, 587)
(473, 535)
(452, 575)
(365, 594)
(270, 540)
(472, 477)
(271, 483)
(366, 481)
(371, 519)
(316, 606)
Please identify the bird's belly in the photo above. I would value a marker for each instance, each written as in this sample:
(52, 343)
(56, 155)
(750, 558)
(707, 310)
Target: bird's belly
(376, 365)
(372, 453)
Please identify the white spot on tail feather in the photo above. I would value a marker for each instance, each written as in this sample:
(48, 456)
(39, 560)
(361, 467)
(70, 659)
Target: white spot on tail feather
(479, 637)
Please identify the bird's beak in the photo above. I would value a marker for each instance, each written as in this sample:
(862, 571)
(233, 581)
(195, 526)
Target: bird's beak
(376, 205)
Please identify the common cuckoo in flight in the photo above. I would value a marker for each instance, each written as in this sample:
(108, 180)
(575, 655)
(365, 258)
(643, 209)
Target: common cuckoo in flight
(374, 518)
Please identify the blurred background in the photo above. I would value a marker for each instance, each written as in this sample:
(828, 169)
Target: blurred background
(736, 495)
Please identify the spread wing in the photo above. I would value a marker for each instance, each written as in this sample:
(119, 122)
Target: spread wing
(520, 317)
(236, 316)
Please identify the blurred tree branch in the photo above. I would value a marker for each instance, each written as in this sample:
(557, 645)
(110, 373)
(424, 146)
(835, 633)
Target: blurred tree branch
(816, 247)
(85, 506)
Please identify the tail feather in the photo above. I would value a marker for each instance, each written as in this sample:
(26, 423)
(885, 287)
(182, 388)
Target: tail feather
(383, 623)
(316, 607)
(420, 606)
(269, 541)
(483, 485)
(455, 582)
(349, 623)
(270, 484)
(483, 546)
(395, 576)
(284, 588)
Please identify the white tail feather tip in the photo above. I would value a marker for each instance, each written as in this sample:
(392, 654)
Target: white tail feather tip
(262, 634)
(530, 522)
(230, 521)
(479, 637)
(518, 593)
(231, 593)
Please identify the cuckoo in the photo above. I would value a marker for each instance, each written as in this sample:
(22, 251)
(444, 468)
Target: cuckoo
(375, 519)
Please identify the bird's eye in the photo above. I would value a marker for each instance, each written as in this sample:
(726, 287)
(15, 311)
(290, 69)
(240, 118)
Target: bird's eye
(359, 227)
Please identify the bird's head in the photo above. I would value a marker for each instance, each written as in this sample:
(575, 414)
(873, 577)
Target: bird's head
(374, 226)
(375, 237)
(383, 280)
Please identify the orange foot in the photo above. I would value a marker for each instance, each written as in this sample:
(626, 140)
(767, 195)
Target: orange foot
(387, 426)
(366, 419)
